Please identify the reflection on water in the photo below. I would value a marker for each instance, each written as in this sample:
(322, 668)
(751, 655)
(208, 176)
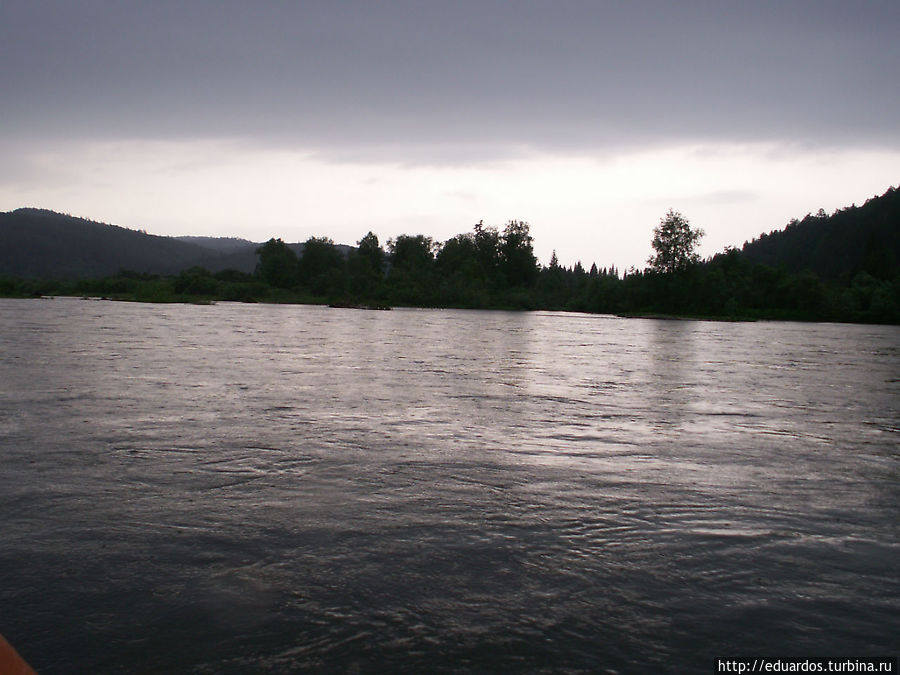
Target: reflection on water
(243, 488)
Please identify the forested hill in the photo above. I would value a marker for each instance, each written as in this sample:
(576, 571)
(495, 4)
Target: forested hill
(222, 244)
(43, 244)
(842, 267)
(837, 247)
(37, 243)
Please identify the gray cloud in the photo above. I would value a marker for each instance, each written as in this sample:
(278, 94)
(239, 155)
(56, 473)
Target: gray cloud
(455, 82)
(727, 197)
(717, 197)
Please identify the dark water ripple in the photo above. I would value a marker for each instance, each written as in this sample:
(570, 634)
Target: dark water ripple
(278, 489)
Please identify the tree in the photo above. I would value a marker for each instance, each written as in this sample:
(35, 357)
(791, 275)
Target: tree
(674, 241)
(459, 255)
(319, 257)
(412, 261)
(195, 281)
(365, 268)
(460, 278)
(370, 251)
(277, 264)
(487, 243)
(517, 254)
(413, 254)
(554, 261)
(321, 266)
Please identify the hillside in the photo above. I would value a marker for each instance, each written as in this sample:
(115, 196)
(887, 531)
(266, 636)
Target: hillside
(243, 259)
(42, 244)
(220, 244)
(38, 243)
(854, 251)
(837, 247)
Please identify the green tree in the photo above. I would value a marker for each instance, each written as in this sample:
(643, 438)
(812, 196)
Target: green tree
(460, 278)
(412, 266)
(321, 266)
(458, 255)
(277, 264)
(370, 250)
(413, 254)
(675, 243)
(365, 269)
(195, 281)
(487, 243)
(517, 254)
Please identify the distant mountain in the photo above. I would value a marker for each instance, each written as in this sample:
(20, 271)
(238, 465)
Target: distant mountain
(41, 243)
(226, 253)
(240, 254)
(37, 243)
(220, 244)
(851, 240)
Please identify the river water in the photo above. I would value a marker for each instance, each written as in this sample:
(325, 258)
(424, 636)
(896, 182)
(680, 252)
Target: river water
(257, 488)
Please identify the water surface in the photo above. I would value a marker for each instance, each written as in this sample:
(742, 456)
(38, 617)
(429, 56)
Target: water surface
(252, 488)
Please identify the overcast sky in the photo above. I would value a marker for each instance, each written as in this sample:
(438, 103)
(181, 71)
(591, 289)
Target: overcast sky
(586, 119)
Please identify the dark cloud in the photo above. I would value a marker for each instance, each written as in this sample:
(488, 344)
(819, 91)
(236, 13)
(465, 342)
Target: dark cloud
(453, 80)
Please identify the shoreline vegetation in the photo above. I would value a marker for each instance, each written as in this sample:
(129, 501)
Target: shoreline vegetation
(724, 288)
(490, 268)
(636, 296)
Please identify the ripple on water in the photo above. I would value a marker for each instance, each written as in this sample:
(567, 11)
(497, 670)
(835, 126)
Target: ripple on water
(267, 489)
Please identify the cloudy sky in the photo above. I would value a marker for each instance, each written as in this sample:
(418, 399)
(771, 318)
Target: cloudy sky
(588, 119)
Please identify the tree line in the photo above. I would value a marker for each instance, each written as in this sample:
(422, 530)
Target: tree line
(494, 268)
(483, 268)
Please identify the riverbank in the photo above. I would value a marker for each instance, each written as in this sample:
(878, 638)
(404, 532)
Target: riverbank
(633, 297)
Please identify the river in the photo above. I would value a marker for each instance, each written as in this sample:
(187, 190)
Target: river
(261, 488)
